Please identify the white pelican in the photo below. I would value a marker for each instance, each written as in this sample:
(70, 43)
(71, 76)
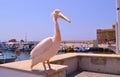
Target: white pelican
(48, 47)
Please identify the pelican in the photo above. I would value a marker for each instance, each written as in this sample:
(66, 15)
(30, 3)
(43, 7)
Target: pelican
(48, 47)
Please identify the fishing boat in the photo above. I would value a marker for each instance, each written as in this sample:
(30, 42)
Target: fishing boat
(4, 59)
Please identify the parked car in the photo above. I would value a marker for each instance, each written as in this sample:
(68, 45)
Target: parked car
(101, 50)
(79, 49)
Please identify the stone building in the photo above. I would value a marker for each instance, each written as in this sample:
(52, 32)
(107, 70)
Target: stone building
(106, 35)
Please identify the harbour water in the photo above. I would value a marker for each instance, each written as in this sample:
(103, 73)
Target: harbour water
(20, 57)
(23, 55)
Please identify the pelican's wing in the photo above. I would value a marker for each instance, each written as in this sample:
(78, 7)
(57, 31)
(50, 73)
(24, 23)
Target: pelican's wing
(41, 47)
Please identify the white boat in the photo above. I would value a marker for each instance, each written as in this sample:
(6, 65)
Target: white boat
(4, 59)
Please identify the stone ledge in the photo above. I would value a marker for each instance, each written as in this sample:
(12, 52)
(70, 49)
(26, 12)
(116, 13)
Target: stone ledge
(63, 56)
(100, 55)
(24, 66)
(71, 55)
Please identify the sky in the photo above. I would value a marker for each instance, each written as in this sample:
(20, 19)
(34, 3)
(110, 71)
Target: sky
(32, 18)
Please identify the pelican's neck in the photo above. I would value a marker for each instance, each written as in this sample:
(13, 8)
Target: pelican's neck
(57, 35)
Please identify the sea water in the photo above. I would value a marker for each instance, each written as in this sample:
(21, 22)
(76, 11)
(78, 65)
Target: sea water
(22, 56)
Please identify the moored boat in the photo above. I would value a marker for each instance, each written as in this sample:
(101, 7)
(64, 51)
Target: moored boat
(4, 59)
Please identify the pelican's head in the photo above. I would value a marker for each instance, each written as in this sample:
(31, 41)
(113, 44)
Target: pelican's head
(57, 14)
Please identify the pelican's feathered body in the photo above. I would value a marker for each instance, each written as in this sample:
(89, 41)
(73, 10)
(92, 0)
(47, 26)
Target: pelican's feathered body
(44, 50)
(48, 47)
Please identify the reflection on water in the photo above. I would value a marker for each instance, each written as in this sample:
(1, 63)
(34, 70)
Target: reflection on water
(22, 56)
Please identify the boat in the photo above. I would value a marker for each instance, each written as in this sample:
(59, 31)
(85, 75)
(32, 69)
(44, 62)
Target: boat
(3, 46)
(6, 59)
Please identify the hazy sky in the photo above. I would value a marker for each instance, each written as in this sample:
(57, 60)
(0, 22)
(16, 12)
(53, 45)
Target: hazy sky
(33, 18)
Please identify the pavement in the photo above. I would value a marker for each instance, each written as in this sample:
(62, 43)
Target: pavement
(91, 74)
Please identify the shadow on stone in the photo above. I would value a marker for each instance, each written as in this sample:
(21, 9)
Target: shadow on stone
(43, 72)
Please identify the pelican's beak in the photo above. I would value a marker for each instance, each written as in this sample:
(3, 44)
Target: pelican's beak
(64, 17)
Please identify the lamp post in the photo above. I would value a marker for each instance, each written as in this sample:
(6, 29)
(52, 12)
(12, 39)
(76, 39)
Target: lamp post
(118, 28)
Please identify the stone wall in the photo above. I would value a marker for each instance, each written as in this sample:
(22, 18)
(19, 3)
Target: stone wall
(100, 64)
(64, 64)
(105, 63)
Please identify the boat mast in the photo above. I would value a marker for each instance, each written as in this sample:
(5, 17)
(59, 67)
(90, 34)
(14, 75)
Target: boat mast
(25, 37)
